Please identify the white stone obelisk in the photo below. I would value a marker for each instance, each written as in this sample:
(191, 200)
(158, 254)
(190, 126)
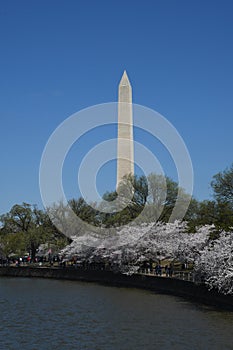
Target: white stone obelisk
(125, 146)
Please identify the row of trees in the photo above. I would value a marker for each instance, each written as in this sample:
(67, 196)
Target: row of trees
(143, 199)
(132, 247)
(154, 198)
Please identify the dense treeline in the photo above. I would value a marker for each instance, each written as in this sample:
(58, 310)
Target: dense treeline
(25, 227)
(154, 198)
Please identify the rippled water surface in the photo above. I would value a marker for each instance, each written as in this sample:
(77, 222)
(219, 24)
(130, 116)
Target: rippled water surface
(39, 314)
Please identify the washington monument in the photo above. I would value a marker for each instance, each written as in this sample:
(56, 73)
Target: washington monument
(125, 146)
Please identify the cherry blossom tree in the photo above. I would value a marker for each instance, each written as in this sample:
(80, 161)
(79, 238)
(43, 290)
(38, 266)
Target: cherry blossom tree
(126, 249)
(192, 244)
(215, 264)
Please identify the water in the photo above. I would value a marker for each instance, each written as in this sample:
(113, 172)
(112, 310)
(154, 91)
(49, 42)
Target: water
(37, 314)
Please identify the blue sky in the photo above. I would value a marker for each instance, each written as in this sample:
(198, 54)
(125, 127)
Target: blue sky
(58, 57)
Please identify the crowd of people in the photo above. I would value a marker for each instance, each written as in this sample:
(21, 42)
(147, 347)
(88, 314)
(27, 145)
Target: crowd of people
(151, 268)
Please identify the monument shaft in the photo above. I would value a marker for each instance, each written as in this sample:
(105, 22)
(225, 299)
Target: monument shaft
(125, 147)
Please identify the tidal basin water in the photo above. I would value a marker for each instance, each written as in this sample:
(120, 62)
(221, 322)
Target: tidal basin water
(39, 314)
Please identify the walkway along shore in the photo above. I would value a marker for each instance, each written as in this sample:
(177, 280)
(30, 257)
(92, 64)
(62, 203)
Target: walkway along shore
(187, 289)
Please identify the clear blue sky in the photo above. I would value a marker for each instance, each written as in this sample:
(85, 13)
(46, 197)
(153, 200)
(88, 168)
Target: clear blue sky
(58, 57)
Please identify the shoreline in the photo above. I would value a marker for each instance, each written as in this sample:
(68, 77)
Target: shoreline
(164, 285)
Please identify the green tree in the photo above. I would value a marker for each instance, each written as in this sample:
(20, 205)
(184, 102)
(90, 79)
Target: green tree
(164, 196)
(132, 195)
(86, 212)
(13, 244)
(203, 213)
(222, 185)
(28, 224)
(18, 219)
(210, 212)
(153, 197)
